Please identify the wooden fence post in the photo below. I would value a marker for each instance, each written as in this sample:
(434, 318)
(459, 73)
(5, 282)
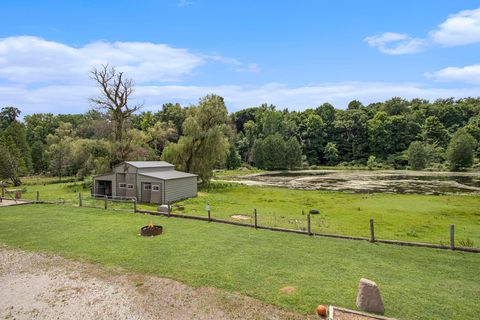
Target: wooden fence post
(255, 216)
(309, 224)
(209, 215)
(38, 196)
(80, 199)
(169, 209)
(134, 205)
(372, 231)
(452, 237)
(105, 204)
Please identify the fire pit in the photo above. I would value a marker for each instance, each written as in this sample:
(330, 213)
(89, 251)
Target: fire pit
(151, 230)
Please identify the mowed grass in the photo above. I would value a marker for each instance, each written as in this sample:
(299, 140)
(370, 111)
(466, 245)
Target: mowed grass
(409, 217)
(416, 283)
(418, 218)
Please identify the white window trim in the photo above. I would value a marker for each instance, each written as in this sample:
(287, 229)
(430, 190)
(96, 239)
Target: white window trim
(122, 185)
(155, 188)
(129, 186)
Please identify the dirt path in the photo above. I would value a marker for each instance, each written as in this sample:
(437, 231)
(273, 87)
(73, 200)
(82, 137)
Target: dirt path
(39, 286)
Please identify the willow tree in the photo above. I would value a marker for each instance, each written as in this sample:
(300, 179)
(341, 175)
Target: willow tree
(204, 143)
(115, 92)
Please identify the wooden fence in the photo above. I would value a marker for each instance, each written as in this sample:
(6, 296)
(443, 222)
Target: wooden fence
(131, 204)
(372, 238)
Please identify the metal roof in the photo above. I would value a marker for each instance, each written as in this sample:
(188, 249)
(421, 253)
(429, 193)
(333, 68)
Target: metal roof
(168, 175)
(148, 164)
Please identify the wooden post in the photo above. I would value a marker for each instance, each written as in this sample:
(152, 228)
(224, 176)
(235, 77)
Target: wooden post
(209, 215)
(452, 237)
(372, 231)
(80, 199)
(169, 209)
(309, 225)
(105, 204)
(255, 216)
(38, 196)
(134, 205)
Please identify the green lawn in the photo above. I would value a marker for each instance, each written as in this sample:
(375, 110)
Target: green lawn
(416, 283)
(419, 218)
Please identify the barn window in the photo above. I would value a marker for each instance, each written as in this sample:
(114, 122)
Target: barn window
(147, 187)
(155, 188)
(122, 185)
(129, 186)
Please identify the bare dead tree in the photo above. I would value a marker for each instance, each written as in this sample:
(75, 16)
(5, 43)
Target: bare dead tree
(115, 91)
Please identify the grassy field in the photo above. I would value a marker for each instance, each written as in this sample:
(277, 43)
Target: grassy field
(418, 218)
(421, 218)
(416, 283)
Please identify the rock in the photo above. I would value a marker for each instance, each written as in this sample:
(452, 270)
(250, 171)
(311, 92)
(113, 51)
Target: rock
(368, 297)
(163, 208)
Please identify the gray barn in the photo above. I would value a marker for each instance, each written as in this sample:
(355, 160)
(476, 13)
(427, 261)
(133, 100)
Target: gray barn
(148, 181)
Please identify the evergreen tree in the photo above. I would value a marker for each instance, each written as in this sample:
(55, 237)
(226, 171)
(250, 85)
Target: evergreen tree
(233, 158)
(417, 156)
(293, 155)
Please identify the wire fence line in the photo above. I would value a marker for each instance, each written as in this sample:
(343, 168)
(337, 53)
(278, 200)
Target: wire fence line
(129, 204)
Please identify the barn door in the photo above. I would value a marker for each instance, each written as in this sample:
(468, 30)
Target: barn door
(146, 191)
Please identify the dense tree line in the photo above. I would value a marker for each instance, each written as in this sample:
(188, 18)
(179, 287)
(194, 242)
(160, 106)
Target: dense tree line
(396, 133)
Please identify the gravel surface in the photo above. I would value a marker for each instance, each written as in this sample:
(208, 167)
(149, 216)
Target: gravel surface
(41, 286)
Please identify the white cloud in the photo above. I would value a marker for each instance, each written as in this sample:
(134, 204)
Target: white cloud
(459, 29)
(396, 43)
(73, 99)
(27, 59)
(469, 74)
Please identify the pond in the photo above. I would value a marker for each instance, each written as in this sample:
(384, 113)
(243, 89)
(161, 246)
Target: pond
(391, 181)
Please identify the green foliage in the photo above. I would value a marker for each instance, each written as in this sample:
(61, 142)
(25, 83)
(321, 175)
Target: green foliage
(417, 156)
(204, 143)
(8, 167)
(312, 132)
(383, 129)
(460, 151)
(274, 150)
(434, 132)
(233, 160)
(8, 115)
(372, 163)
(269, 153)
(293, 153)
(331, 153)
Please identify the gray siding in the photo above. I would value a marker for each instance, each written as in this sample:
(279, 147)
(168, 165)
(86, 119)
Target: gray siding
(106, 177)
(157, 197)
(178, 189)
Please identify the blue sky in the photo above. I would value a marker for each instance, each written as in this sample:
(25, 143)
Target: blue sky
(295, 54)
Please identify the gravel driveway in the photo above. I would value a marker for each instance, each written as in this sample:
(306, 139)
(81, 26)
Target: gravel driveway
(40, 286)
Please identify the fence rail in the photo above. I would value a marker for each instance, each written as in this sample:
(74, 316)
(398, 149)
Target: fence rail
(130, 204)
(310, 233)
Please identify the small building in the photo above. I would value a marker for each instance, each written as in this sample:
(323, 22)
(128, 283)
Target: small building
(148, 181)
